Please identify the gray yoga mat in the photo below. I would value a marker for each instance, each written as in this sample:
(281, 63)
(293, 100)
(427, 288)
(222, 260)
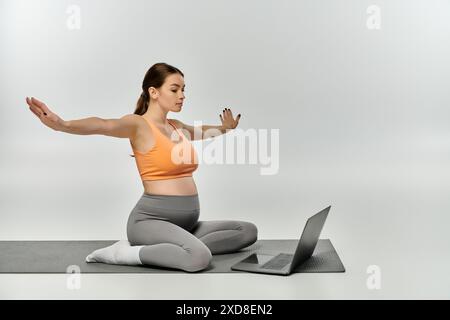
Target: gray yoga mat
(69, 257)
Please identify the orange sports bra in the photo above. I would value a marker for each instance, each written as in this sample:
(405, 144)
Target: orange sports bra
(166, 159)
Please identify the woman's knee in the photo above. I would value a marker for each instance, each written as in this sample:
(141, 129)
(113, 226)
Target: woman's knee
(250, 232)
(198, 259)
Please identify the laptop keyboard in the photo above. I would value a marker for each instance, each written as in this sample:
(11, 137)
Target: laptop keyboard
(278, 262)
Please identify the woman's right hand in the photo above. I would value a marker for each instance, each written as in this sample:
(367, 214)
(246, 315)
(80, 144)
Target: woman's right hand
(44, 114)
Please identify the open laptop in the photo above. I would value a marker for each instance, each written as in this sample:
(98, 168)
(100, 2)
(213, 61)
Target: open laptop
(283, 263)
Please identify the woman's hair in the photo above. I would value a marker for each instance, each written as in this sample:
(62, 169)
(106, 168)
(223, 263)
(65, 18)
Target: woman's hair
(154, 77)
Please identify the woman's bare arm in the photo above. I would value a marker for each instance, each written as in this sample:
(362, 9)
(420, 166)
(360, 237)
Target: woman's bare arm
(205, 132)
(124, 127)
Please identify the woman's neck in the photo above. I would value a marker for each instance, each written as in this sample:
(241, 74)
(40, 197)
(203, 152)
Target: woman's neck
(156, 114)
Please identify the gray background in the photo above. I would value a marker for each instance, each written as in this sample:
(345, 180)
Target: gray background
(362, 116)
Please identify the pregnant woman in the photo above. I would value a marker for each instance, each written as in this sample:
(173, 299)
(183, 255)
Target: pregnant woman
(163, 229)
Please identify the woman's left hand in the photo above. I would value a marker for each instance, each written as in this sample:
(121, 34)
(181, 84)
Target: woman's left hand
(227, 119)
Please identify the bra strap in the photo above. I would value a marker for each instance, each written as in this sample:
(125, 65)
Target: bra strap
(182, 137)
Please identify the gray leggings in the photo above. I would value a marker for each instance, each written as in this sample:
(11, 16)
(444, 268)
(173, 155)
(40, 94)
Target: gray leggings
(168, 226)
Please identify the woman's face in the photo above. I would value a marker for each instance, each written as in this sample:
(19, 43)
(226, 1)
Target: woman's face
(171, 94)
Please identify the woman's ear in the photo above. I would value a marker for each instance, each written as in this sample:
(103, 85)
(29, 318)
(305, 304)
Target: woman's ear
(153, 92)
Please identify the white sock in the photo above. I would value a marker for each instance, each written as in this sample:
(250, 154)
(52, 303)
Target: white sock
(120, 252)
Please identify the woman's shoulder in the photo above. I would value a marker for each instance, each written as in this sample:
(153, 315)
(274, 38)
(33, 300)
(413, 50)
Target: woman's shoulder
(176, 123)
(132, 117)
(142, 125)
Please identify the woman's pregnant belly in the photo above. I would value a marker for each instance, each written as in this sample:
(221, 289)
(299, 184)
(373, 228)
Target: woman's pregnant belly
(177, 186)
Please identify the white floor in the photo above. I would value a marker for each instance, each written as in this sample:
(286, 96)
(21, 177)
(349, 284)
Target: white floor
(401, 230)
(400, 278)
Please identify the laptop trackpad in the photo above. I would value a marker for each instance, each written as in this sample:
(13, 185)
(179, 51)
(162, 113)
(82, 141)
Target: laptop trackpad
(257, 258)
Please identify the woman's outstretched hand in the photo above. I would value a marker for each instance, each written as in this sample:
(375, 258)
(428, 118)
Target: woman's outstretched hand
(227, 119)
(44, 114)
